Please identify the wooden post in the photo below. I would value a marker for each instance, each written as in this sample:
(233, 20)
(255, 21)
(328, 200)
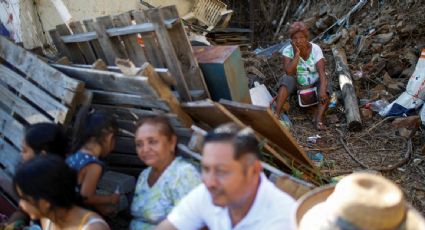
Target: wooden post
(86, 49)
(189, 64)
(153, 56)
(89, 24)
(171, 59)
(165, 93)
(347, 88)
(134, 50)
(75, 52)
(106, 22)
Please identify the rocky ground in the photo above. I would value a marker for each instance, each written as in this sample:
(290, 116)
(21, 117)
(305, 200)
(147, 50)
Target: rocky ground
(382, 40)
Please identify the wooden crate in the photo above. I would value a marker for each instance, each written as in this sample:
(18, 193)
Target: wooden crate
(165, 45)
(130, 98)
(31, 91)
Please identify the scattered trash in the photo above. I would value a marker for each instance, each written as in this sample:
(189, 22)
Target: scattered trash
(358, 75)
(313, 139)
(260, 95)
(285, 121)
(317, 158)
(366, 113)
(417, 161)
(378, 105)
(414, 95)
(333, 101)
(401, 169)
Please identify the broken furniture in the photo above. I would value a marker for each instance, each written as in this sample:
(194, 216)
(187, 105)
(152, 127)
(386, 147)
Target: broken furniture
(224, 72)
(31, 91)
(210, 13)
(110, 37)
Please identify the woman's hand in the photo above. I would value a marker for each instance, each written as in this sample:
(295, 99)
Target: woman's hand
(296, 49)
(115, 198)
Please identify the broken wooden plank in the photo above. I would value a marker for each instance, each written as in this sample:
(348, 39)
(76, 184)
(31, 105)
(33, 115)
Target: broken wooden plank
(262, 120)
(165, 93)
(11, 129)
(112, 32)
(89, 24)
(170, 57)
(134, 49)
(150, 44)
(6, 183)
(76, 55)
(110, 49)
(134, 114)
(106, 42)
(183, 49)
(21, 107)
(351, 106)
(10, 156)
(112, 98)
(109, 81)
(215, 114)
(85, 47)
(43, 100)
(48, 78)
(59, 44)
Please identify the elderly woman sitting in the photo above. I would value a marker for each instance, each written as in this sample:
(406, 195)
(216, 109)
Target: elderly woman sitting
(304, 66)
(167, 179)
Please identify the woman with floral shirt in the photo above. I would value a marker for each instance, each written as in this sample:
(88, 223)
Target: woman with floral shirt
(167, 179)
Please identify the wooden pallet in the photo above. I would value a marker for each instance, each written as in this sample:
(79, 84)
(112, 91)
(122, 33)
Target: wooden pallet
(165, 45)
(129, 98)
(31, 91)
(214, 114)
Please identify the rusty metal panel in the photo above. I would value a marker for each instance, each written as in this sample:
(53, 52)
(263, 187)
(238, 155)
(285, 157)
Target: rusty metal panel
(224, 72)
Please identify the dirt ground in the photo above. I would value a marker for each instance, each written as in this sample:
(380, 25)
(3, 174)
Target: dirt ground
(383, 42)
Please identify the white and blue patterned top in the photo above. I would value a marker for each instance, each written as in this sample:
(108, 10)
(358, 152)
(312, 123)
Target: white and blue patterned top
(151, 205)
(307, 73)
(79, 160)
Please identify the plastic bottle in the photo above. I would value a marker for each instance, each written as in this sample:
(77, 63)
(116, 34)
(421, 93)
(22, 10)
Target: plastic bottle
(333, 101)
(378, 105)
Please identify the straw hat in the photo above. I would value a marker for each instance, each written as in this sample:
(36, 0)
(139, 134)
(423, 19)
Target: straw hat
(358, 201)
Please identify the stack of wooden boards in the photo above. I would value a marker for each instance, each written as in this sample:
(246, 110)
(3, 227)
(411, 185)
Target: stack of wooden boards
(163, 38)
(31, 91)
(231, 36)
(128, 98)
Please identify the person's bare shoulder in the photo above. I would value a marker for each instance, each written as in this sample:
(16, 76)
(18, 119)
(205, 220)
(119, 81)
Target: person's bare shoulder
(165, 225)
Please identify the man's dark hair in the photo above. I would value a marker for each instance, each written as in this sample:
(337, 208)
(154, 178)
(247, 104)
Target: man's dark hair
(243, 140)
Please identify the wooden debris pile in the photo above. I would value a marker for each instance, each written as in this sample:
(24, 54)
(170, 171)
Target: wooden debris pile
(31, 91)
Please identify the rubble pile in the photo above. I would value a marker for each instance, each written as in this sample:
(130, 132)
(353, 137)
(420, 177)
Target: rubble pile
(383, 41)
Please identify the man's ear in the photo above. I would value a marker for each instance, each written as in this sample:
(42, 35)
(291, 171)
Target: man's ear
(258, 168)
